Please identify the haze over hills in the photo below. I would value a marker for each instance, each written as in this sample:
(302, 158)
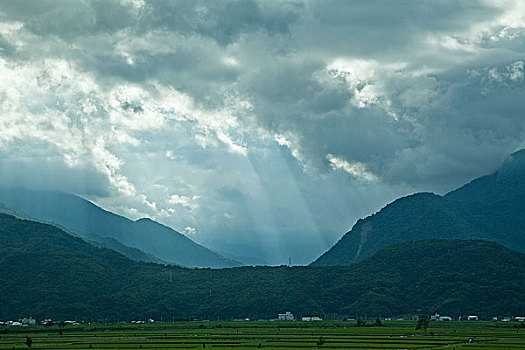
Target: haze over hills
(96, 240)
(52, 274)
(490, 207)
(143, 240)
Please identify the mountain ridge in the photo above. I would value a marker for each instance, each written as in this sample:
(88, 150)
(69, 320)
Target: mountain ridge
(490, 207)
(134, 254)
(92, 222)
(50, 274)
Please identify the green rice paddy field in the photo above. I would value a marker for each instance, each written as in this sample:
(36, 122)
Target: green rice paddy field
(268, 335)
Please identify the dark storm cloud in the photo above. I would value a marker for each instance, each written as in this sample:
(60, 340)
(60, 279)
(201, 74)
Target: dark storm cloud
(270, 120)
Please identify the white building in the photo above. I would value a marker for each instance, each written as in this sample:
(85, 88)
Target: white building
(311, 318)
(473, 318)
(28, 321)
(445, 318)
(288, 316)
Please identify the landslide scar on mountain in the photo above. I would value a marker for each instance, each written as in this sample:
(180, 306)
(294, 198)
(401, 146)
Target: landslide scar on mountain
(365, 229)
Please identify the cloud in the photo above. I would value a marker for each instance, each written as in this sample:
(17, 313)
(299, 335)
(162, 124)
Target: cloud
(184, 201)
(188, 230)
(357, 169)
(254, 120)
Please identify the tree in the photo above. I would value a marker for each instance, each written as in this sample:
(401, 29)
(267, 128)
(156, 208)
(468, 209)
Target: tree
(29, 341)
(378, 322)
(360, 323)
(422, 323)
(320, 342)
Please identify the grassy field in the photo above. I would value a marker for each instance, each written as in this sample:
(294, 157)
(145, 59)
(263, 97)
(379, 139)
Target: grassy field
(268, 335)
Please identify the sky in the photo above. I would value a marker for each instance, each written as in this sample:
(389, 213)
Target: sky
(258, 128)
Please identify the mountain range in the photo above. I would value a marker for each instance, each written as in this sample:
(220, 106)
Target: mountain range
(491, 207)
(141, 240)
(455, 254)
(48, 273)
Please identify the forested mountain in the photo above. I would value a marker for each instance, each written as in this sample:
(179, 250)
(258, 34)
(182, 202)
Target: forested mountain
(491, 207)
(82, 218)
(98, 241)
(48, 273)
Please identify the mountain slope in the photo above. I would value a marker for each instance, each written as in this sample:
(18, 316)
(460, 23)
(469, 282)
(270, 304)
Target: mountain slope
(93, 223)
(491, 207)
(48, 273)
(447, 276)
(98, 241)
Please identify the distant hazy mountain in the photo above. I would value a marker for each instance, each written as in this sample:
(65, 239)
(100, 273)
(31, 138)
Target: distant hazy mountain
(48, 273)
(491, 207)
(82, 218)
(244, 260)
(98, 241)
